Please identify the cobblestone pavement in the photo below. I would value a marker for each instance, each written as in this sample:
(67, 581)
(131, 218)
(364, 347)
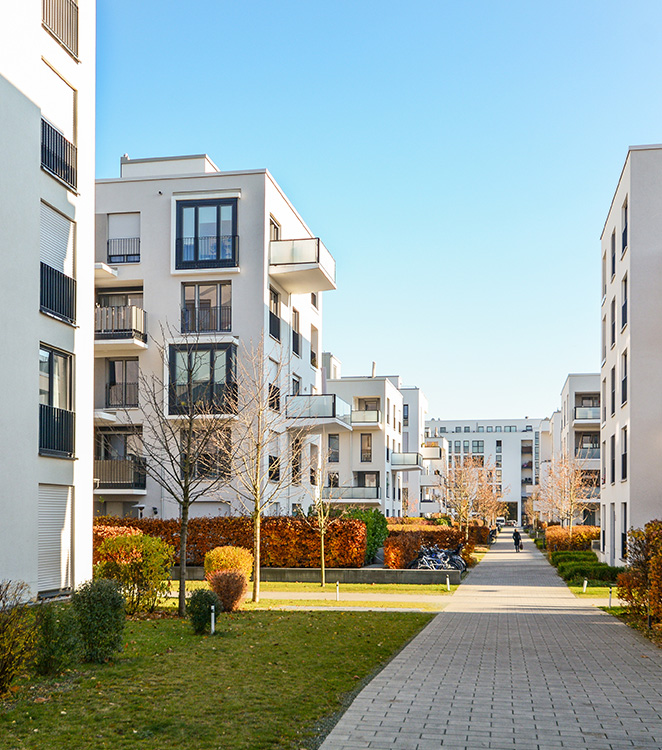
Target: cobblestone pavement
(515, 662)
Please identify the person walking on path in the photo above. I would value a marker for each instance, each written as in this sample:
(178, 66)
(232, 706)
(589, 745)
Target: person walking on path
(517, 538)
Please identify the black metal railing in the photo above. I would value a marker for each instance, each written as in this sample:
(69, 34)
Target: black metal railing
(207, 252)
(57, 294)
(56, 431)
(120, 473)
(274, 325)
(58, 155)
(296, 343)
(124, 250)
(60, 17)
(121, 395)
(123, 322)
(203, 319)
(206, 398)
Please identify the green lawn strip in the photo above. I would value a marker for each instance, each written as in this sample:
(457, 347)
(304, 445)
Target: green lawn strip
(264, 682)
(272, 604)
(594, 592)
(372, 588)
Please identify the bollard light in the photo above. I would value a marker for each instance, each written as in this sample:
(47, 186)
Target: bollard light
(585, 584)
(610, 596)
(448, 582)
(213, 618)
(337, 591)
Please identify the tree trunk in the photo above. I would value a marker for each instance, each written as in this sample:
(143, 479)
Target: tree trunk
(183, 533)
(257, 519)
(323, 566)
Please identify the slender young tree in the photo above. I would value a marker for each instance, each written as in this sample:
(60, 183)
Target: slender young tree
(567, 490)
(489, 502)
(462, 488)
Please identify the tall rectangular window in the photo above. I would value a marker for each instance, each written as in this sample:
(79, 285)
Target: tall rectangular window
(297, 459)
(58, 287)
(613, 391)
(123, 238)
(207, 307)
(202, 379)
(56, 418)
(613, 253)
(604, 275)
(274, 229)
(274, 314)
(366, 447)
(603, 331)
(624, 453)
(296, 385)
(624, 377)
(612, 457)
(207, 234)
(624, 236)
(296, 335)
(334, 448)
(603, 454)
(612, 322)
(405, 415)
(624, 301)
(122, 383)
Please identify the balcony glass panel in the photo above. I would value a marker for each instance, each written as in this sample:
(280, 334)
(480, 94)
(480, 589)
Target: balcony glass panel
(587, 412)
(303, 251)
(406, 459)
(366, 415)
(350, 493)
(323, 406)
(587, 453)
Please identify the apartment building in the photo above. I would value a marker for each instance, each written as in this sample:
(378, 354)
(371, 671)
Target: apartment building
(511, 446)
(185, 251)
(47, 81)
(631, 351)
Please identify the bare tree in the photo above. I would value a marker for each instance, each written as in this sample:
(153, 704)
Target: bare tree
(263, 466)
(462, 486)
(186, 415)
(567, 490)
(489, 500)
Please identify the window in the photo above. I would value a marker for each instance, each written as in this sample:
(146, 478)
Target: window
(624, 377)
(480, 429)
(458, 429)
(467, 429)
(405, 415)
(122, 383)
(297, 454)
(274, 468)
(497, 428)
(56, 418)
(123, 238)
(604, 338)
(478, 446)
(442, 429)
(388, 411)
(210, 458)
(613, 253)
(458, 446)
(314, 464)
(58, 287)
(612, 446)
(207, 234)
(333, 479)
(624, 453)
(624, 236)
(366, 447)
(202, 379)
(499, 446)
(206, 307)
(274, 229)
(612, 322)
(604, 462)
(624, 301)
(465, 446)
(313, 299)
(490, 429)
(334, 449)
(58, 127)
(604, 401)
(274, 397)
(604, 276)
(296, 385)
(613, 391)
(314, 343)
(274, 314)
(296, 335)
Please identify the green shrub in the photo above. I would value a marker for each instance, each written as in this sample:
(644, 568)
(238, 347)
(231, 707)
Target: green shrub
(572, 556)
(578, 570)
(229, 586)
(99, 609)
(141, 565)
(198, 608)
(540, 543)
(229, 558)
(59, 645)
(17, 631)
(376, 530)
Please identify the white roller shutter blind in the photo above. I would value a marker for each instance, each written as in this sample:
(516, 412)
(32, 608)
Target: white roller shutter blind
(58, 103)
(57, 240)
(123, 226)
(55, 537)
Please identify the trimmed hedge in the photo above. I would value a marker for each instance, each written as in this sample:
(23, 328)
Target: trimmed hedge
(477, 534)
(594, 571)
(571, 555)
(640, 586)
(101, 532)
(285, 542)
(402, 545)
(559, 538)
(376, 529)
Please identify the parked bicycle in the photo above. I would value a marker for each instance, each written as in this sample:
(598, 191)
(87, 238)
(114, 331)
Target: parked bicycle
(435, 558)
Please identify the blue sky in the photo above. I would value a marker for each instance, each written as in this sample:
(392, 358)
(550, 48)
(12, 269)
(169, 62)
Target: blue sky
(457, 158)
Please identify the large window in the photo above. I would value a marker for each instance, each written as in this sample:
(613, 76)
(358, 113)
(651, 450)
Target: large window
(208, 458)
(122, 383)
(366, 447)
(202, 378)
(56, 418)
(334, 448)
(207, 234)
(207, 307)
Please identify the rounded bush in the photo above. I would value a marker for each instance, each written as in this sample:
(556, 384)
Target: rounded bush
(198, 608)
(229, 558)
(99, 608)
(230, 587)
(59, 644)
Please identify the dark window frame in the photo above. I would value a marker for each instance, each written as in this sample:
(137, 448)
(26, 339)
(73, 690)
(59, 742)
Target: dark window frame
(226, 399)
(218, 262)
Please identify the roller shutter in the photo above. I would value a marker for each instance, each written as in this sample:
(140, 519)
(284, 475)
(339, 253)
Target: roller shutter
(57, 240)
(55, 563)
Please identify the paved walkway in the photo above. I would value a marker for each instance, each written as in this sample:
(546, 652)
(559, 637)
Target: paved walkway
(514, 662)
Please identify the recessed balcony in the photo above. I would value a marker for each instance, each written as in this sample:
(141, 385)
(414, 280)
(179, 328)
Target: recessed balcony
(431, 480)
(119, 330)
(587, 414)
(316, 412)
(406, 462)
(120, 476)
(302, 266)
(363, 495)
(367, 418)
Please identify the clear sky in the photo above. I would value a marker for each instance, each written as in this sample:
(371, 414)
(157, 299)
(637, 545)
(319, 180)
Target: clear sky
(458, 159)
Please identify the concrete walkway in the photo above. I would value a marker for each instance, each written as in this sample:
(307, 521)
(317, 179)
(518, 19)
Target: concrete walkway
(515, 662)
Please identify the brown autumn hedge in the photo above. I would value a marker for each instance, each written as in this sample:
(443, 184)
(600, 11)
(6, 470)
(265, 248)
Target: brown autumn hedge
(286, 542)
(560, 538)
(402, 545)
(477, 534)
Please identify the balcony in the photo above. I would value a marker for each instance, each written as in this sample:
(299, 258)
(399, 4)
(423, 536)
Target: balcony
(58, 155)
(119, 330)
(302, 266)
(317, 412)
(431, 453)
(366, 418)
(587, 453)
(406, 462)
(206, 319)
(121, 475)
(60, 17)
(124, 250)
(431, 480)
(362, 495)
(57, 294)
(122, 396)
(207, 398)
(207, 252)
(56, 432)
(587, 414)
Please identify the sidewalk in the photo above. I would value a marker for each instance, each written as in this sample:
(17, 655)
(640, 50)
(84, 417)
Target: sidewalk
(515, 662)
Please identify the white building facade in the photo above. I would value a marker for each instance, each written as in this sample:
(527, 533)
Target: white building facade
(631, 409)
(184, 250)
(47, 90)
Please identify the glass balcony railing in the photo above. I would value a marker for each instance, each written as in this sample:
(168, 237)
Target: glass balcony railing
(305, 251)
(406, 460)
(319, 406)
(366, 416)
(587, 453)
(350, 493)
(587, 412)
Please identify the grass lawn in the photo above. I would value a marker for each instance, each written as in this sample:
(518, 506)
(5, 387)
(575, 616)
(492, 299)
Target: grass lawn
(274, 604)
(265, 681)
(595, 592)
